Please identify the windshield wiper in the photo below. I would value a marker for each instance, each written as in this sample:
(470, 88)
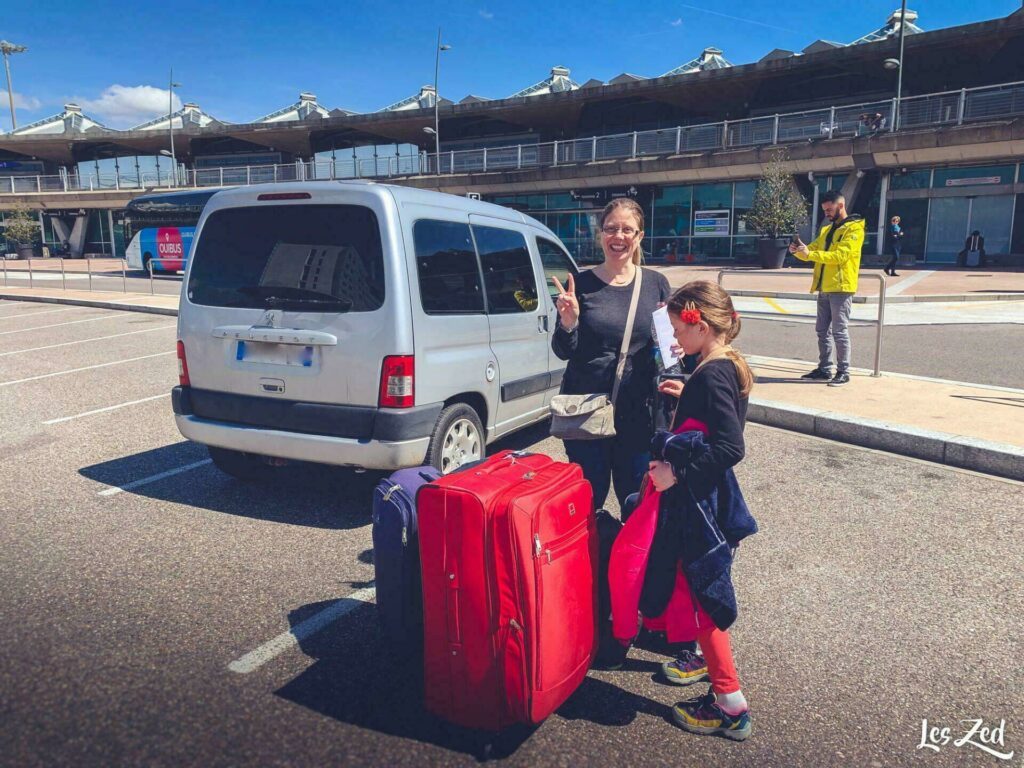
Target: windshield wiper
(277, 296)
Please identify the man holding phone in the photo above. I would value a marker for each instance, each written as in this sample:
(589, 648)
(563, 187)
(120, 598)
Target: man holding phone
(835, 253)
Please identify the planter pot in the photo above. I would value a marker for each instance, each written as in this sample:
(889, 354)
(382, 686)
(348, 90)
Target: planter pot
(773, 252)
(25, 250)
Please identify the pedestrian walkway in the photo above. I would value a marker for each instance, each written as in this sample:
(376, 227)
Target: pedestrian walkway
(955, 423)
(914, 284)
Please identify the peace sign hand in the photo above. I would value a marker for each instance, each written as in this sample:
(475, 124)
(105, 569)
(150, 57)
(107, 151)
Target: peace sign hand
(566, 304)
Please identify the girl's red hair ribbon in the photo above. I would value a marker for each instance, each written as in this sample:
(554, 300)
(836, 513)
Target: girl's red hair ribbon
(690, 316)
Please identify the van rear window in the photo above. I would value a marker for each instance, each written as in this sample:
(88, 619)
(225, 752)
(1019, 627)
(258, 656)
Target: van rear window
(295, 257)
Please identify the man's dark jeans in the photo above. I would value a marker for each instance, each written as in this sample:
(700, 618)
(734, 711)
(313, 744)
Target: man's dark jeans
(612, 460)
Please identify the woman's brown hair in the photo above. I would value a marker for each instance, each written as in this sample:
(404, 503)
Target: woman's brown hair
(633, 207)
(716, 310)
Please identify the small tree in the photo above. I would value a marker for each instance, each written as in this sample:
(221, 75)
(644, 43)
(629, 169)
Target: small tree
(20, 226)
(778, 208)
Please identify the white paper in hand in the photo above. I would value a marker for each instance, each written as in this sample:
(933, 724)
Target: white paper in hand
(665, 336)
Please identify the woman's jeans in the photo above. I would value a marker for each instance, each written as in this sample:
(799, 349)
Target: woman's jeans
(609, 461)
(891, 266)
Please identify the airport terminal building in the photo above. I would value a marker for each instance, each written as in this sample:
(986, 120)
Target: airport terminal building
(688, 145)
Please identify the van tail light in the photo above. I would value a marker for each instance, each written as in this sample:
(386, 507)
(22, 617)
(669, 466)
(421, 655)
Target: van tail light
(396, 382)
(182, 366)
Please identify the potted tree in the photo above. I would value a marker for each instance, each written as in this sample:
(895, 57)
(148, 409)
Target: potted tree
(21, 228)
(777, 211)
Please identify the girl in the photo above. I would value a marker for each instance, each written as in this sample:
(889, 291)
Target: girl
(714, 402)
(592, 314)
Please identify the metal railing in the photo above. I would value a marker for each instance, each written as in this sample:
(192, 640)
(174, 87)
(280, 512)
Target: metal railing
(33, 272)
(852, 120)
(878, 322)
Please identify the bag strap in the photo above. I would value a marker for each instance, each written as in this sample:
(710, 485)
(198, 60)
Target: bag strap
(629, 332)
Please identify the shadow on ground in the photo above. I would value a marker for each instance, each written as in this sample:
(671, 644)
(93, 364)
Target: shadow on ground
(356, 680)
(311, 495)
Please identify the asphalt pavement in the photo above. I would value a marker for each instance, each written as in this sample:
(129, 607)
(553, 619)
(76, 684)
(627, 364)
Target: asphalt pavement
(880, 591)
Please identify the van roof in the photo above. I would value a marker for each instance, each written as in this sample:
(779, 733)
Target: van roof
(400, 194)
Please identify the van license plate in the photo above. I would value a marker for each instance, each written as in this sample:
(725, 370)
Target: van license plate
(274, 354)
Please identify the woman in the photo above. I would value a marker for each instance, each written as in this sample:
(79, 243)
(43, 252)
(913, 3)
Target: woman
(592, 314)
(896, 239)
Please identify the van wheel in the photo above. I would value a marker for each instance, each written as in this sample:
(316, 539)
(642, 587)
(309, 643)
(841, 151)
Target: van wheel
(244, 466)
(458, 438)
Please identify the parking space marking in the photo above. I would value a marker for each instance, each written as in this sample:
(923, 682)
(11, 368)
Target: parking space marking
(44, 312)
(286, 640)
(86, 368)
(58, 325)
(83, 341)
(62, 419)
(154, 478)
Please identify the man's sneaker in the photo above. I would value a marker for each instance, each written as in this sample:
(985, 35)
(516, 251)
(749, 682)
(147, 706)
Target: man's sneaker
(687, 669)
(703, 716)
(841, 378)
(818, 374)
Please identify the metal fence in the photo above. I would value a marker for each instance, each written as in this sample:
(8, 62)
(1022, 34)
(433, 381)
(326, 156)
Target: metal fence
(867, 119)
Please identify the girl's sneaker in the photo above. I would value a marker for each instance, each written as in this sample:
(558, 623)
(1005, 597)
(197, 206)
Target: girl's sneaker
(703, 716)
(686, 669)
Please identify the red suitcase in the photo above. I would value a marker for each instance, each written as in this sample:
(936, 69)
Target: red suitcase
(509, 559)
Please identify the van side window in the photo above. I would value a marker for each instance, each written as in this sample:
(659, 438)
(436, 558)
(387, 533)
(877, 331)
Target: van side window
(556, 262)
(447, 267)
(508, 270)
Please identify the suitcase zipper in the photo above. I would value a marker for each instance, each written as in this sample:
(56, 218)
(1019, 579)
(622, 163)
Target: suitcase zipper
(560, 544)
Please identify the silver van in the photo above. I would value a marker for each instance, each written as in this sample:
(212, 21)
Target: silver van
(363, 325)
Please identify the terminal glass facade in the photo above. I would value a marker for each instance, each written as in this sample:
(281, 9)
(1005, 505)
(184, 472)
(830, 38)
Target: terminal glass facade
(940, 207)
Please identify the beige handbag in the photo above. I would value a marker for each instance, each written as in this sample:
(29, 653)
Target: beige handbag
(592, 417)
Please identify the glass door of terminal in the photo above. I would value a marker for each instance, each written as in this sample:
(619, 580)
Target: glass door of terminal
(952, 219)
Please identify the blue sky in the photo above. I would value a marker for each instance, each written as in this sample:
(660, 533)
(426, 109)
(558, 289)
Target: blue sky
(240, 61)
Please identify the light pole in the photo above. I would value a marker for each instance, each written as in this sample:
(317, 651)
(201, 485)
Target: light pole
(170, 124)
(7, 49)
(437, 98)
(897, 64)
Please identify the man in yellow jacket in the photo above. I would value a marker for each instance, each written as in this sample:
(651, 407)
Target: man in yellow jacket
(836, 256)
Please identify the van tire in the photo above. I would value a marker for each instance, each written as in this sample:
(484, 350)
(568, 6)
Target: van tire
(458, 438)
(244, 466)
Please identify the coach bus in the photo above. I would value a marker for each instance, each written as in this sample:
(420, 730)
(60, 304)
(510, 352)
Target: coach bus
(159, 229)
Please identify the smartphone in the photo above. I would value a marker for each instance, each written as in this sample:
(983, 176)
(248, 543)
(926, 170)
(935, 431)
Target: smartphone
(795, 240)
(673, 377)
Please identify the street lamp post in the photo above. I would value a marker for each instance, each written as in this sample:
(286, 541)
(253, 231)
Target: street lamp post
(437, 98)
(897, 64)
(170, 124)
(8, 49)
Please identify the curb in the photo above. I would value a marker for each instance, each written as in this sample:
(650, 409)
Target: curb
(172, 312)
(950, 298)
(939, 447)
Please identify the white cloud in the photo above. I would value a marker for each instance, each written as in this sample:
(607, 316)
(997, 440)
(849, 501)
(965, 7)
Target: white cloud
(124, 106)
(677, 23)
(21, 101)
(486, 15)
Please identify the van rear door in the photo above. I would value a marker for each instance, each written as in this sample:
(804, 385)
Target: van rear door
(287, 300)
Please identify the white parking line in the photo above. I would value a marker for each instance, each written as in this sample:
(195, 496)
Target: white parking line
(153, 478)
(83, 341)
(286, 640)
(86, 368)
(58, 325)
(33, 314)
(104, 410)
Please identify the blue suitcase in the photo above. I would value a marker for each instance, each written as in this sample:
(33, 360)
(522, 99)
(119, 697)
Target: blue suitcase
(396, 555)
